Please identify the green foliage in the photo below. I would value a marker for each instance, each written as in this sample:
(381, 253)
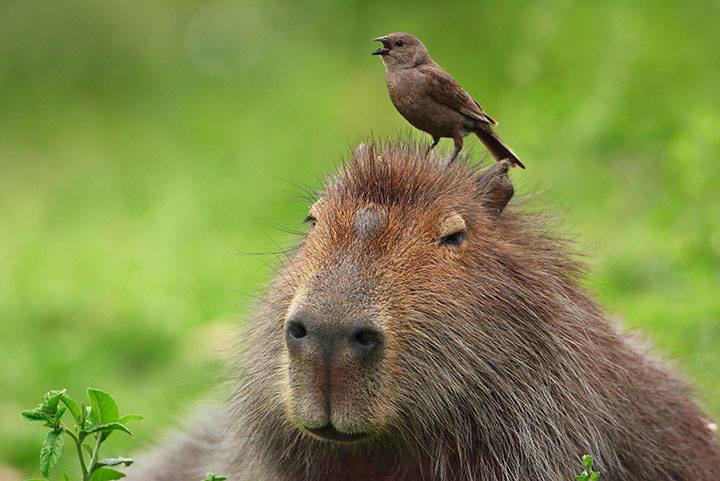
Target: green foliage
(106, 474)
(92, 423)
(214, 477)
(588, 473)
(104, 409)
(51, 451)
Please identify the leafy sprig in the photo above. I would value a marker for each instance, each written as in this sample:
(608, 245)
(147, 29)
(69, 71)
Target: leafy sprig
(88, 427)
(214, 477)
(588, 473)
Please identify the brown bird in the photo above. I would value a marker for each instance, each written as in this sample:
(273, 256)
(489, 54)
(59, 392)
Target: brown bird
(431, 100)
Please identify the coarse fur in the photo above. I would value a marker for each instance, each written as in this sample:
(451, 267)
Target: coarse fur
(496, 365)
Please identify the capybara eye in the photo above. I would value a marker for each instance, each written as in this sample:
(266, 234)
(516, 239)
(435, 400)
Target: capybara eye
(454, 239)
(399, 43)
(310, 220)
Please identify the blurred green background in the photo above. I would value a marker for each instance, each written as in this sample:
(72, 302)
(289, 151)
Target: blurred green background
(147, 148)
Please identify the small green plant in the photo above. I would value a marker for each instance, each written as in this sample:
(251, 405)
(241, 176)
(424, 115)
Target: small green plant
(90, 426)
(588, 474)
(214, 477)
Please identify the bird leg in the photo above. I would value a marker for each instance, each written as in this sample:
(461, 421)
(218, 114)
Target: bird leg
(432, 146)
(458, 147)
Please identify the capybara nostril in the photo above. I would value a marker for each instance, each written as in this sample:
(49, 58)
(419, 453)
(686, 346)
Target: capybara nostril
(366, 339)
(296, 329)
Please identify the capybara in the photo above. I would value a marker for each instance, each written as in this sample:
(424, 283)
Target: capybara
(423, 330)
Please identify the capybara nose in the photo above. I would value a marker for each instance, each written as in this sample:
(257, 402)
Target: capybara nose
(307, 335)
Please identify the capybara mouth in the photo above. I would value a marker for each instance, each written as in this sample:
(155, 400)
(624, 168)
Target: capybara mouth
(329, 433)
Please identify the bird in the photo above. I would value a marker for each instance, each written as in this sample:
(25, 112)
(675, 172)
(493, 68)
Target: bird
(432, 101)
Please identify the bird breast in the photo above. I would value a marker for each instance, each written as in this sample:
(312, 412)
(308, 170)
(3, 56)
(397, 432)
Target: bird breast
(408, 93)
(408, 90)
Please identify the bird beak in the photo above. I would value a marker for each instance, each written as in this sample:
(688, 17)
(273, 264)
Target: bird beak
(385, 49)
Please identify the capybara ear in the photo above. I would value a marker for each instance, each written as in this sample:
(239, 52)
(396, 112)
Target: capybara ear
(495, 188)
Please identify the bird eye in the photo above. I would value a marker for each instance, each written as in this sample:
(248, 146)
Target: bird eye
(399, 43)
(454, 239)
(310, 220)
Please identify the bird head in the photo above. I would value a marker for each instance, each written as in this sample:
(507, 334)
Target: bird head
(401, 50)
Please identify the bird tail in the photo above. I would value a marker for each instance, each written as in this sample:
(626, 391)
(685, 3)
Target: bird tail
(497, 147)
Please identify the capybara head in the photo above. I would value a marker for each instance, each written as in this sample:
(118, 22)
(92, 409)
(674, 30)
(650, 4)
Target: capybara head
(385, 322)
(422, 330)
(378, 286)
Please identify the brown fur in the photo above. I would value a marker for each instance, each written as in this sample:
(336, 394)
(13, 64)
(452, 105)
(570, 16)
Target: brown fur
(496, 365)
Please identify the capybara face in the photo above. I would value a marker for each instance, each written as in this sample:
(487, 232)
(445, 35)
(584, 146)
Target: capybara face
(377, 287)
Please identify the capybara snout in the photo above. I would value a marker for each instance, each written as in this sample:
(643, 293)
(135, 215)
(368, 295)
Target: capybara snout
(311, 335)
(335, 344)
(334, 370)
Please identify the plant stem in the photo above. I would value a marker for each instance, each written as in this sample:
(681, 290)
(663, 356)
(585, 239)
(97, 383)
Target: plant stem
(78, 446)
(95, 455)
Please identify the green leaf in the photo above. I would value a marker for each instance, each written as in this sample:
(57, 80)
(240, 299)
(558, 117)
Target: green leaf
(84, 415)
(108, 428)
(65, 477)
(51, 399)
(88, 450)
(115, 462)
(36, 414)
(59, 414)
(214, 477)
(587, 461)
(594, 476)
(51, 451)
(129, 417)
(47, 410)
(103, 407)
(106, 474)
(72, 406)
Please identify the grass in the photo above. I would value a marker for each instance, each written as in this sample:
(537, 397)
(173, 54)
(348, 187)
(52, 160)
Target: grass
(147, 147)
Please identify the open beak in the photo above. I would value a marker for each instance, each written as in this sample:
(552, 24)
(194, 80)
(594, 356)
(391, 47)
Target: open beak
(385, 49)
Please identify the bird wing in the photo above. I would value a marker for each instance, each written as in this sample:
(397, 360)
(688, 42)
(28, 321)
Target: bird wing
(445, 90)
